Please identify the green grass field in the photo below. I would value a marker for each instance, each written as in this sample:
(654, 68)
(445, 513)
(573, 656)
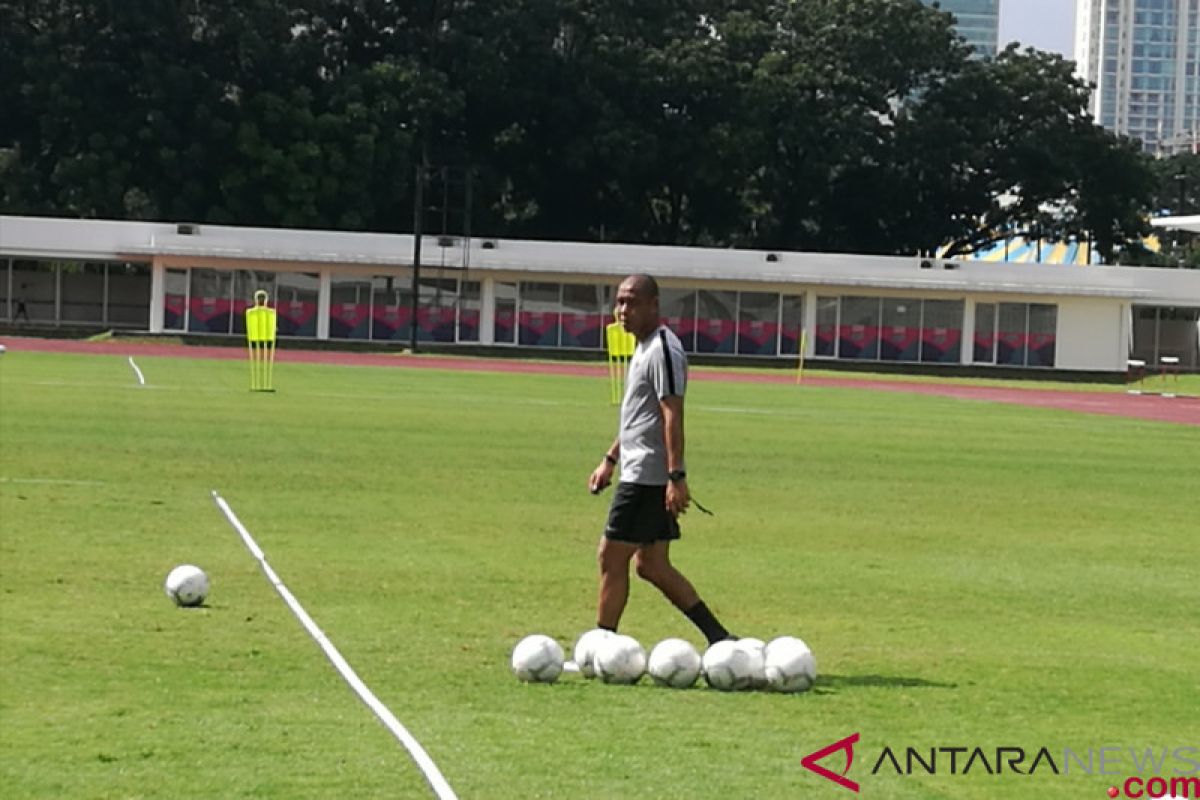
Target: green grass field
(968, 574)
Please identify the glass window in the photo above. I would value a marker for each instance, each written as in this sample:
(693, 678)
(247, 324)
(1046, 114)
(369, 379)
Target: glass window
(985, 333)
(245, 284)
(678, 310)
(349, 307)
(790, 333)
(827, 326)
(581, 320)
(538, 316)
(435, 309)
(504, 324)
(1043, 331)
(900, 338)
(210, 301)
(34, 291)
(1011, 334)
(758, 324)
(858, 333)
(82, 292)
(296, 303)
(175, 290)
(1177, 332)
(128, 296)
(941, 331)
(391, 308)
(716, 315)
(469, 305)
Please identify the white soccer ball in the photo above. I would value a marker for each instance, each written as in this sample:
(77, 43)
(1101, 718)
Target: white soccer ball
(537, 659)
(620, 659)
(674, 663)
(756, 651)
(187, 585)
(727, 667)
(585, 650)
(790, 665)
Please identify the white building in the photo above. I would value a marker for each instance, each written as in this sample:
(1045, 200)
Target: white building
(1143, 57)
(753, 305)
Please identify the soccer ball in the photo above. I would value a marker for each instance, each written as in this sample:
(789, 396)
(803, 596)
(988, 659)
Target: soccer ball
(728, 667)
(585, 650)
(187, 585)
(537, 659)
(620, 659)
(755, 650)
(789, 664)
(674, 663)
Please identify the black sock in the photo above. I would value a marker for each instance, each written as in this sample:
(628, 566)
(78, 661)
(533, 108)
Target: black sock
(613, 629)
(703, 619)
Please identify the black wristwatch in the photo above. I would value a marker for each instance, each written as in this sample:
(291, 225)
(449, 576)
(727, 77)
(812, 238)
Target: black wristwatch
(676, 476)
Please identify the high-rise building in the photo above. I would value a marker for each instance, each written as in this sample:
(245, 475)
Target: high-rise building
(1142, 56)
(977, 21)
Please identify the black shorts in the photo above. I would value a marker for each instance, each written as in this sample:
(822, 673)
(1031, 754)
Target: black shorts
(639, 515)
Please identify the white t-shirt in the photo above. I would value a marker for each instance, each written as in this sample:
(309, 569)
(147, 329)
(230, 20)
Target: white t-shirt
(657, 369)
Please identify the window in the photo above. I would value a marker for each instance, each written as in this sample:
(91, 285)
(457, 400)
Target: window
(758, 324)
(941, 331)
(391, 308)
(210, 301)
(435, 309)
(296, 303)
(677, 307)
(469, 305)
(792, 319)
(828, 309)
(539, 313)
(716, 315)
(128, 296)
(245, 284)
(900, 337)
(504, 324)
(83, 292)
(1043, 332)
(985, 333)
(858, 331)
(349, 308)
(581, 322)
(1016, 334)
(1010, 333)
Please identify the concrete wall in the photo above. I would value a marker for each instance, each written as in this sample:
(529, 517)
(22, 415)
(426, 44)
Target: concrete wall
(1092, 334)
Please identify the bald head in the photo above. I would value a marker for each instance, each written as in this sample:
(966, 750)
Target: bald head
(637, 305)
(642, 284)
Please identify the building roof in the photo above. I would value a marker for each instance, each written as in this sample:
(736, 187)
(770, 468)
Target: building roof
(108, 240)
(1184, 223)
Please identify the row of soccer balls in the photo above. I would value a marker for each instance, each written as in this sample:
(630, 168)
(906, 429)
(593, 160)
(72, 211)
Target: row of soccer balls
(785, 664)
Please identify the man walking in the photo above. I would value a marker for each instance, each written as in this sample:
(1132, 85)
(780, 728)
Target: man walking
(653, 491)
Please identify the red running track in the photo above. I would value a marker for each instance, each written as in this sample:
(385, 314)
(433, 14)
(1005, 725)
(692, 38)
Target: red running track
(1179, 410)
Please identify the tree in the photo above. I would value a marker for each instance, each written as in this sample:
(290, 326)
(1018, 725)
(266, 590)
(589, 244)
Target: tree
(851, 125)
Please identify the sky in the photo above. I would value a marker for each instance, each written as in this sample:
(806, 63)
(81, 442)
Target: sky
(1044, 24)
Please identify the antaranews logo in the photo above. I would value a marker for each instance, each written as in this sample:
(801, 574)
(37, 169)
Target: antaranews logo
(1174, 770)
(847, 744)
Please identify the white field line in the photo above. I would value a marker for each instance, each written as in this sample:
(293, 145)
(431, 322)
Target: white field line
(141, 378)
(430, 770)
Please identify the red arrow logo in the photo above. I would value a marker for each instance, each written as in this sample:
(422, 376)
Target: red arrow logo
(847, 744)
